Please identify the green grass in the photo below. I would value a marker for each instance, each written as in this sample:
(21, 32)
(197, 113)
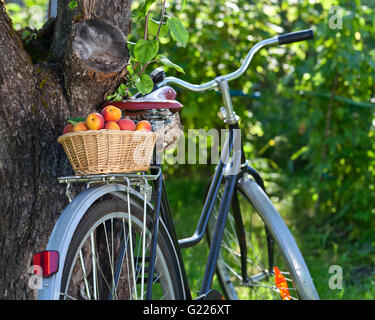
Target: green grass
(358, 272)
(186, 194)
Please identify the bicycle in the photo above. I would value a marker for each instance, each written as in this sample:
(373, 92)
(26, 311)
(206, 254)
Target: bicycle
(117, 240)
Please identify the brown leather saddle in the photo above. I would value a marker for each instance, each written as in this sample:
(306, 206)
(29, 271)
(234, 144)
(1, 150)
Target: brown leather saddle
(162, 98)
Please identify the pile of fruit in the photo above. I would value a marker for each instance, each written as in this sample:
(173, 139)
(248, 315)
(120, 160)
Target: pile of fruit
(109, 118)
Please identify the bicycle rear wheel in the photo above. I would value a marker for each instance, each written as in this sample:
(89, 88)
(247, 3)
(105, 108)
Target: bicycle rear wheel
(275, 268)
(109, 255)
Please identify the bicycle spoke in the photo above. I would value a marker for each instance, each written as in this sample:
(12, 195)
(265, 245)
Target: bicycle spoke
(233, 253)
(230, 261)
(94, 273)
(122, 260)
(67, 296)
(113, 257)
(110, 256)
(127, 259)
(162, 298)
(98, 269)
(131, 248)
(84, 274)
(234, 272)
(143, 247)
(158, 277)
(237, 255)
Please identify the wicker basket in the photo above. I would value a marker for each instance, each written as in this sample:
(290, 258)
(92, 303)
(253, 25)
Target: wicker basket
(108, 151)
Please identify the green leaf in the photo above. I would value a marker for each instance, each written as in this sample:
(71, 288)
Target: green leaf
(153, 27)
(129, 67)
(168, 63)
(144, 84)
(145, 50)
(73, 4)
(122, 89)
(145, 9)
(117, 98)
(132, 91)
(114, 97)
(134, 78)
(178, 31)
(110, 97)
(74, 121)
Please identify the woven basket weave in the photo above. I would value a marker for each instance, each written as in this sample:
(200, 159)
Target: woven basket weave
(108, 151)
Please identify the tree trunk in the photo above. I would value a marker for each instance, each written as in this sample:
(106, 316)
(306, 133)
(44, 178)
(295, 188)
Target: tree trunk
(35, 102)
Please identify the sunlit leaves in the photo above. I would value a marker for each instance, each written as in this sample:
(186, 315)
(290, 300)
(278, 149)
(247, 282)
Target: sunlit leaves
(145, 50)
(144, 83)
(142, 12)
(178, 31)
(168, 63)
(153, 28)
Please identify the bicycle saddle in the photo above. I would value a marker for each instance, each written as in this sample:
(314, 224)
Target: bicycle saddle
(162, 98)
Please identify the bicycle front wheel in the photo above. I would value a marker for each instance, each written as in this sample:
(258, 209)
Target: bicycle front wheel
(258, 258)
(109, 256)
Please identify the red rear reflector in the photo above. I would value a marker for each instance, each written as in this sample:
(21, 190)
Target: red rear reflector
(48, 261)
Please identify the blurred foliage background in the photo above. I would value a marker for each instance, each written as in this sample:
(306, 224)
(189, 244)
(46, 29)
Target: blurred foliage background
(307, 113)
(27, 13)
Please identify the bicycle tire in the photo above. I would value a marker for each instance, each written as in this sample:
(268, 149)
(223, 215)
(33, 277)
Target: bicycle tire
(101, 228)
(266, 217)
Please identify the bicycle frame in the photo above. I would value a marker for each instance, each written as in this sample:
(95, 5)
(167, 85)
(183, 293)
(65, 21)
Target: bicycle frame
(238, 161)
(225, 168)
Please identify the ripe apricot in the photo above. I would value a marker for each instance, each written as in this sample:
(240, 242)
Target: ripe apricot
(111, 125)
(111, 113)
(68, 128)
(126, 124)
(143, 125)
(80, 126)
(95, 121)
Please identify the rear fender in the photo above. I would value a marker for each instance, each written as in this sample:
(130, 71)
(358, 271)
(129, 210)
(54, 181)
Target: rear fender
(67, 223)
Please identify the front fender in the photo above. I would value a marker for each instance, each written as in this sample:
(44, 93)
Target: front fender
(66, 225)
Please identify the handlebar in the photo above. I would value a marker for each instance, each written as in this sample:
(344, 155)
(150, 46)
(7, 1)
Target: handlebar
(281, 39)
(296, 36)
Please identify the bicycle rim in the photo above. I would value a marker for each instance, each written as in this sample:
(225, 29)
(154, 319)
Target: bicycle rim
(109, 258)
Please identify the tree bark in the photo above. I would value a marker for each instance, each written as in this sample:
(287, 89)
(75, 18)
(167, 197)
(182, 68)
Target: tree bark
(34, 107)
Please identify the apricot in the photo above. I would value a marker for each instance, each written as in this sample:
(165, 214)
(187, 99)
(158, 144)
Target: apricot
(111, 125)
(111, 113)
(95, 121)
(126, 124)
(143, 125)
(80, 126)
(68, 128)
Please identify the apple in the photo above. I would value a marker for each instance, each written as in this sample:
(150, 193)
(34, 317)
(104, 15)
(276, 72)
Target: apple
(68, 128)
(126, 124)
(111, 125)
(95, 121)
(111, 113)
(143, 125)
(80, 126)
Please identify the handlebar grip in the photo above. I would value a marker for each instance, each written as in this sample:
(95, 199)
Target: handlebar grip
(296, 36)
